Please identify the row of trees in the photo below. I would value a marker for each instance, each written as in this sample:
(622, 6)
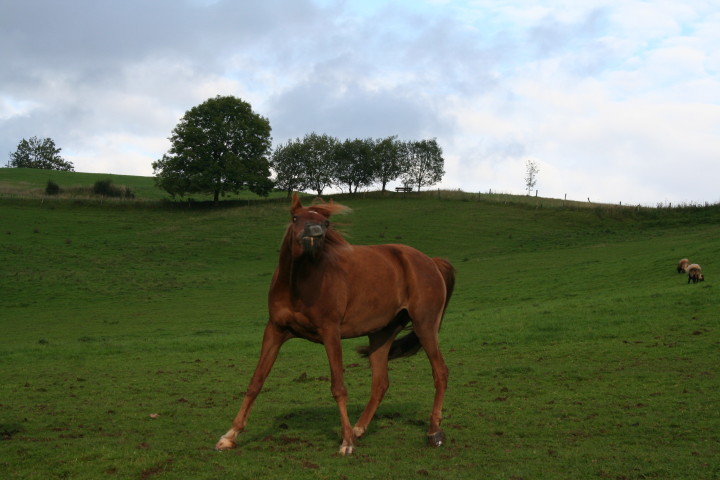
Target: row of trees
(317, 162)
(221, 146)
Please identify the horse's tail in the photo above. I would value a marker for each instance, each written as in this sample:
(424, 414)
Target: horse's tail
(409, 344)
(448, 273)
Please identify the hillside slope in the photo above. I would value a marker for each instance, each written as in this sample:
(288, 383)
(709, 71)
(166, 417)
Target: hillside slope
(575, 349)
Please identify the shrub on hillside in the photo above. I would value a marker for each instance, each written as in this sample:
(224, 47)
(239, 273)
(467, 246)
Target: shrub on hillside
(52, 188)
(106, 188)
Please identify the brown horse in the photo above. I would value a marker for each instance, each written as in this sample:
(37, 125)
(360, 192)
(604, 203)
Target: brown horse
(325, 289)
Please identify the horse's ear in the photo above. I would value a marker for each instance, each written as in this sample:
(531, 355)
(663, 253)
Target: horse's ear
(296, 205)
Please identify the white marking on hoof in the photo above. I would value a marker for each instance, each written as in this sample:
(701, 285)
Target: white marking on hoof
(224, 444)
(346, 450)
(358, 432)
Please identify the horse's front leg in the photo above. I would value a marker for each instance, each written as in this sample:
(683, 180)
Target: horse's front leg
(333, 347)
(272, 341)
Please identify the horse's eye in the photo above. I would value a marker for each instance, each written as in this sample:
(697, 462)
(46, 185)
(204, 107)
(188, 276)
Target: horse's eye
(294, 219)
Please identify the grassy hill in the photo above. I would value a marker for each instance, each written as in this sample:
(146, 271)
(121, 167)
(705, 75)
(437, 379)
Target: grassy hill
(30, 182)
(575, 349)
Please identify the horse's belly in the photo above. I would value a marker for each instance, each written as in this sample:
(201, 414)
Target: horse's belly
(362, 321)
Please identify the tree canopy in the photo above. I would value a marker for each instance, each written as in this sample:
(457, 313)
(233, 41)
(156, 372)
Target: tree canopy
(319, 154)
(36, 153)
(390, 160)
(288, 162)
(218, 147)
(425, 164)
(355, 163)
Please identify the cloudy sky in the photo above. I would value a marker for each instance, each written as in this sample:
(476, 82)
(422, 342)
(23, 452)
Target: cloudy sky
(615, 100)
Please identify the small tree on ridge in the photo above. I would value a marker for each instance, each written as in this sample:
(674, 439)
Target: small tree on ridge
(36, 153)
(531, 171)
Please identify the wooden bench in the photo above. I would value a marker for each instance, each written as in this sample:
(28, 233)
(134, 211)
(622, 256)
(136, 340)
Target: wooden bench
(404, 189)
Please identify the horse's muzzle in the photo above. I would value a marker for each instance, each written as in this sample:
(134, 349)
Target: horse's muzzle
(313, 234)
(313, 230)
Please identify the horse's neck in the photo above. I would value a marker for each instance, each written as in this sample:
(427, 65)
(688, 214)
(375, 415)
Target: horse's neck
(285, 262)
(295, 274)
(289, 267)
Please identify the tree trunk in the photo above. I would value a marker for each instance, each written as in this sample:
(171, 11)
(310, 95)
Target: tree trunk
(216, 200)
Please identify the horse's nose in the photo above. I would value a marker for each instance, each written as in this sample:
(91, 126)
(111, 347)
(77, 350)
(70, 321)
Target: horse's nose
(313, 230)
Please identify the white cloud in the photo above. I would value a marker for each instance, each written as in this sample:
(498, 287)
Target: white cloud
(105, 154)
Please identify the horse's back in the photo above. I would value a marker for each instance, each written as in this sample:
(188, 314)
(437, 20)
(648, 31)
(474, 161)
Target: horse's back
(405, 261)
(398, 270)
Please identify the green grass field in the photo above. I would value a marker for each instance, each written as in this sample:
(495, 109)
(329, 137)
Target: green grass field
(575, 349)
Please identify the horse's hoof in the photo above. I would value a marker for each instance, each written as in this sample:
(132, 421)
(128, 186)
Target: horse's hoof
(436, 439)
(224, 444)
(346, 450)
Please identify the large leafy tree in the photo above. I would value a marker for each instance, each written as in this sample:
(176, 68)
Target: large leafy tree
(425, 164)
(218, 147)
(36, 153)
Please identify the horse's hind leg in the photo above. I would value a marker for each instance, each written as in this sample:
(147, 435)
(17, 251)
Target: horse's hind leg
(427, 332)
(380, 343)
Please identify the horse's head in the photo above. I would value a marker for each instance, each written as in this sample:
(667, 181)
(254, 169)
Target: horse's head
(310, 226)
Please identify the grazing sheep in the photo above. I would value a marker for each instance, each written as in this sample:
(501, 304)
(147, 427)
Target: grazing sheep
(695, 274)
(682, 265)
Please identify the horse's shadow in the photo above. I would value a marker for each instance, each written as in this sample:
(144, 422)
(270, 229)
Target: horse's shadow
(296, 428)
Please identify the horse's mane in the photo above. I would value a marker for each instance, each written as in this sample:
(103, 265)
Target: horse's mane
(329, 208)
(333, 238)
